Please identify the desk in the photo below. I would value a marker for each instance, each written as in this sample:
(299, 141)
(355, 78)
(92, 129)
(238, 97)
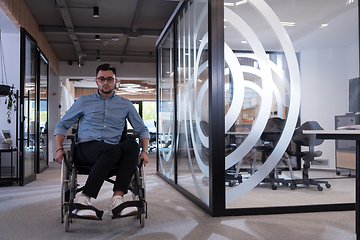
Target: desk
(10, 150)
(346, 135)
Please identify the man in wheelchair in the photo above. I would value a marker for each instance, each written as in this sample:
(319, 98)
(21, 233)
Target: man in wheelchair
(101, 119)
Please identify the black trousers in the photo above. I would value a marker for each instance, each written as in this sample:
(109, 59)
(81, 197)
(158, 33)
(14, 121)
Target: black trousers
(104, 157)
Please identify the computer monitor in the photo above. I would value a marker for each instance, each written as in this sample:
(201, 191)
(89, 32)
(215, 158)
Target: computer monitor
(354, 95)
(7, 136)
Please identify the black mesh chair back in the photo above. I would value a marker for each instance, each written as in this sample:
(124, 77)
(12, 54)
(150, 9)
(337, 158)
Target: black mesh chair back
(204, 125)
(307, 139)
(273, 129)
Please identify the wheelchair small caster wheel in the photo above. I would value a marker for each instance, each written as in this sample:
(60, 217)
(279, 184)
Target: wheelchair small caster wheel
(319, 188)
(231, 184)
(338, 173)
(273, 187)
(142, 220)
(292, 186)
(67, 224)
(328, 185)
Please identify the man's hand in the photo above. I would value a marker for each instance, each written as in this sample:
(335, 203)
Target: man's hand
(59, 148)
(143, 155)
(60, 156)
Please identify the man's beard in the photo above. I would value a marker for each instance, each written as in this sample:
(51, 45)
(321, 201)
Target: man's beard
(106, 92)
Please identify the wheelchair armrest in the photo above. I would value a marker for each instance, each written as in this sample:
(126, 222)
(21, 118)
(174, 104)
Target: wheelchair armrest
(71, 136)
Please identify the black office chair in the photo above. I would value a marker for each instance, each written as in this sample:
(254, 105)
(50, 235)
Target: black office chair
(308, 156)
(270, 137)
(231, 177)
(69, 187)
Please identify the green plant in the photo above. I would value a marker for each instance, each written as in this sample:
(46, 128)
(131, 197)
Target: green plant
(11, 102)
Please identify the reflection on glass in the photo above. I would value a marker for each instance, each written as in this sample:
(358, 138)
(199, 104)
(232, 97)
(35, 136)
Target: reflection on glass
(166, 108)
(264, 59)
(43, 132)
(192, 101)
(29, 110)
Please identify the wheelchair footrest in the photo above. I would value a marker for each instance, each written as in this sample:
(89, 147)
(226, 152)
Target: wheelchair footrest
(78, 206)
(139, 204)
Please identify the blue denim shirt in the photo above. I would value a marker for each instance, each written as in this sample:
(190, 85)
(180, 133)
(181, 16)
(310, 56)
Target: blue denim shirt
(101, 119)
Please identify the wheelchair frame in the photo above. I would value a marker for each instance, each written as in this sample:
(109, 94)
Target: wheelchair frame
(69, 189)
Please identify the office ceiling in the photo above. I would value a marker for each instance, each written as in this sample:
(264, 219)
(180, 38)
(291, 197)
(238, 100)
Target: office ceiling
(127, 29)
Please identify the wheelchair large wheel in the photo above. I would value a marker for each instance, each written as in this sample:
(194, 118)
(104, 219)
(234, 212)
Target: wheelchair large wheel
(72, 193)
(139, 192)
(65, 187)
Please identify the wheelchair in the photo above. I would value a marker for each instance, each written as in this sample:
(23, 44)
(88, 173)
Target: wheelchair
(69, 188)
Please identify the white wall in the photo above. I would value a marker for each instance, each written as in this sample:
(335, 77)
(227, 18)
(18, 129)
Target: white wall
(10, 40)
(325, 75)
(11, 47)
(54, 111)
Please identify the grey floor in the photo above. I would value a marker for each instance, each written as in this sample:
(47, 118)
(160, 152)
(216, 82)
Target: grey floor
(33, 212)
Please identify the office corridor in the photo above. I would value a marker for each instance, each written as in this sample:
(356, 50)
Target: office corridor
(33, 212)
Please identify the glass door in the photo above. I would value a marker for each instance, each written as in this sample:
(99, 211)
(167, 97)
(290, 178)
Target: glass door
(27, 109)
(42, 142)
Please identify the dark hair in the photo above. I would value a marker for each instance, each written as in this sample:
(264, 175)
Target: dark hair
(105, 67)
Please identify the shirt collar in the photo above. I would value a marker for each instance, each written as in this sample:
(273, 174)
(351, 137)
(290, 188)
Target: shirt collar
(98, 95)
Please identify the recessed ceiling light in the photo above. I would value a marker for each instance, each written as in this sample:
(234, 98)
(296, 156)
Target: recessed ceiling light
(288, 24)
(96, 12)
(241, 2)
(244, 42)
(128, 85)
(324, 25)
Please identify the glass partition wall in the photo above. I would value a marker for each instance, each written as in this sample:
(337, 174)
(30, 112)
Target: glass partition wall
(28, 109)
(166, 116)
(33, 110)
(238, 81)
(43, 161)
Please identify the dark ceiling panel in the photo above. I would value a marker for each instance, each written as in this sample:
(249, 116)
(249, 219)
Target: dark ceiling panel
(137, 25)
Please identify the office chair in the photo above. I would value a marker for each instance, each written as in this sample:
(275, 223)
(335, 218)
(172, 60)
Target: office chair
(270, 137)
(231, 177)
(310, 141)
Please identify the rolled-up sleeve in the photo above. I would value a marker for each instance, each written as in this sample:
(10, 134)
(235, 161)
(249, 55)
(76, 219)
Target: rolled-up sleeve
(71, 116)
(137, 123)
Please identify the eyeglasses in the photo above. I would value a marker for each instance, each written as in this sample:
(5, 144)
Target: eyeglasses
(108, 79)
